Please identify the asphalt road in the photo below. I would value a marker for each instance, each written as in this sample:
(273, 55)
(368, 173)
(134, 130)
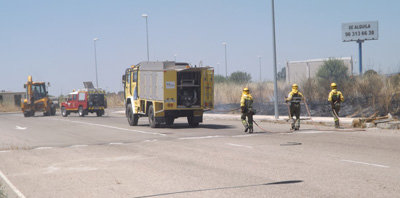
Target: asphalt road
(105, 157)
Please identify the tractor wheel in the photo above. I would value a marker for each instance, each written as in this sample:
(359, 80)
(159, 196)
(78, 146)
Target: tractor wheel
(27, 113)
(53, 110)
(47, 113)
(64, 112)
(132, 118)
(81, 112)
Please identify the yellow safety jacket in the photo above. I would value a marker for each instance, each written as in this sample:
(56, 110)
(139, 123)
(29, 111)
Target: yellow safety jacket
(294, 96)
(335, 96)
(246, 101)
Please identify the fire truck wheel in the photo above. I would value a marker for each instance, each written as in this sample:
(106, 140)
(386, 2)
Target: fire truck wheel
(132, 118)
(152, 118)
(80, 111)
(99, 113)
(64, 112)
(191, 121)
(169, 121)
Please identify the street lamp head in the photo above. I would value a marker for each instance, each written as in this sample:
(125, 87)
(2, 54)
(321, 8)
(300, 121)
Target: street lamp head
(95, 39)
(224, 43)
(144, 15)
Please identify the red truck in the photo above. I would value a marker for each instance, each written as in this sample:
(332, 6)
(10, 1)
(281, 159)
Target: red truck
(84, 102)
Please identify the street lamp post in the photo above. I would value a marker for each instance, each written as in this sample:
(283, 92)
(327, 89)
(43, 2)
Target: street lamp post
(95, 61)
(259, 60)
(274, 51)
(175, 57)
(226, 61)
(147, 36)
(217, 69)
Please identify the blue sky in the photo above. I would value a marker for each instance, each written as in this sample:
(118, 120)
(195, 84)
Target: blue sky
(53, 40)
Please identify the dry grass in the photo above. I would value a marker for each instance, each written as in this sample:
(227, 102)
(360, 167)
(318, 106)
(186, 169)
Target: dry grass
(376, 91)
(230, 93)
(3, 194)
(9, 108)
(115, 100)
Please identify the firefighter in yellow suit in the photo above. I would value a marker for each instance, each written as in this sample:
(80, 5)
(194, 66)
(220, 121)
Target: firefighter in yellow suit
(335, 98)
(295, 97)
(246, 106)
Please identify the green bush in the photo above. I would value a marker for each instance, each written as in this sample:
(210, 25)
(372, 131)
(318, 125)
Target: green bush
(333, 70)
(240, 77)
(219, 78)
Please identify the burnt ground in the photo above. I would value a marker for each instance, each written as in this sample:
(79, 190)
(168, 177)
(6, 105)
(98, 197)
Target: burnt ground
(349, 108)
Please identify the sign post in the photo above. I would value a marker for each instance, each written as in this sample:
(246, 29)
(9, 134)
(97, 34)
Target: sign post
(360, 32)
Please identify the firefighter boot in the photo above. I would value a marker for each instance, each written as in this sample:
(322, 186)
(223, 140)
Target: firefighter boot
(297, 125)
(250, 129)
(337, 124)
(292, 125)
(246, 126)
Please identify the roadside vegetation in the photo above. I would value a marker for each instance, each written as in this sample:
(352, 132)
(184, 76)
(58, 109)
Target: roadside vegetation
(9, 108)
(366, 95)
(115, 100)
(2, 191)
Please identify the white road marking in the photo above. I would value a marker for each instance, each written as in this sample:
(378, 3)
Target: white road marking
(19, 194)
(313, 132)
(79, 145)
(42, 148)
(51, 169)
(365, 163)
(5, 151)
(239, 145)
(126, 158)
(20, 128)
(202, 137)
(82, 169)
(153, 140)
(239, 136)
(115, 143)
(113, 127)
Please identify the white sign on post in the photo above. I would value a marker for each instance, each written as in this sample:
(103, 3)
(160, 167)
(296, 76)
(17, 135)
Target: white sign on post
(360, 31)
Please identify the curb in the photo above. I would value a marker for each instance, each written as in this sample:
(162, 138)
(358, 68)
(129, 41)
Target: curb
(324, 121)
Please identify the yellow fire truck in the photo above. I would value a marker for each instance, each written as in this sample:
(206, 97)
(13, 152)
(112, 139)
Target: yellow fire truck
(163, 91)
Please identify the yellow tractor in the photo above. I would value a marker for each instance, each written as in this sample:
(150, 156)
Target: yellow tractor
(37, 99)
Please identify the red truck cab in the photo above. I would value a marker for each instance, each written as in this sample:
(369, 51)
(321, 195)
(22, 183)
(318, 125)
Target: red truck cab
(84, 102)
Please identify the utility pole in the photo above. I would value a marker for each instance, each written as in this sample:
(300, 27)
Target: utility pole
(226, 61)
(95, 61)
(259, 60)
(147, 36)
(274, 55)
